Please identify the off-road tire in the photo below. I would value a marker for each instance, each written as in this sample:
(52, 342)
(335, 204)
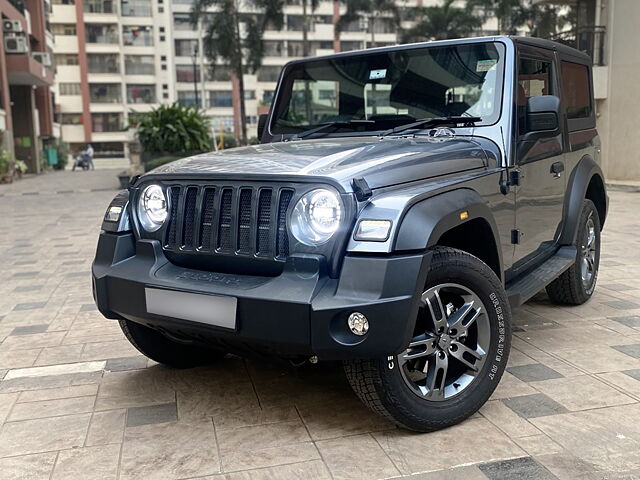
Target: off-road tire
(161, 349)
(568, 288)
(383, 389)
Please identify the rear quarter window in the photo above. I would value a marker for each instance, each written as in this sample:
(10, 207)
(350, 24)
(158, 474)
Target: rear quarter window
(576, 92)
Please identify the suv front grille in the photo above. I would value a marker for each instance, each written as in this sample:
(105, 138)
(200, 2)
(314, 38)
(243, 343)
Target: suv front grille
(227, 220)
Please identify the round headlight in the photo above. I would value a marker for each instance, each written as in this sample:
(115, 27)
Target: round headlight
(316, 216)
(152, 208)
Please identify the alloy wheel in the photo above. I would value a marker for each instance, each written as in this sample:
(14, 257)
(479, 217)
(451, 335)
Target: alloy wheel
(588, 254)
(450, 343)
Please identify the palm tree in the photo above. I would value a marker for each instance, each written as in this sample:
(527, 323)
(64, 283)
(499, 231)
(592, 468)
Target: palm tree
(306, 4)
(385, 10)
(441, 22)
(236, 38)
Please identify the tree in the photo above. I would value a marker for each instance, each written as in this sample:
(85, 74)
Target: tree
(173, 129)
(306, 21)
(236, 38)
(511, 14)
(441, 22)
(372, 10)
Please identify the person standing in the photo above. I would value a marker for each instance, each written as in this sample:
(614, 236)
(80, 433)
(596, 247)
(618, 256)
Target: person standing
(89, 157)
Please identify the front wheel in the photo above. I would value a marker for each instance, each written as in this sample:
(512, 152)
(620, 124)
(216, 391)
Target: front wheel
(456, 357)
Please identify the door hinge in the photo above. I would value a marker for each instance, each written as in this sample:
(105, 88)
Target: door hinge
(515, 236)
(514, 177)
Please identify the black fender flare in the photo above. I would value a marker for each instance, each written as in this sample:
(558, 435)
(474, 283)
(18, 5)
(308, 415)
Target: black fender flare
(427, 220)
(576, 192)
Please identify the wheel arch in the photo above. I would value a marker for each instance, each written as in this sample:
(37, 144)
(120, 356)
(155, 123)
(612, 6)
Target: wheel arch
(441, 221)
(586, 182)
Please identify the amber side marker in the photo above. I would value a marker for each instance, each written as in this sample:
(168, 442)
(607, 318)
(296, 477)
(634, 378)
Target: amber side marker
(464, 215)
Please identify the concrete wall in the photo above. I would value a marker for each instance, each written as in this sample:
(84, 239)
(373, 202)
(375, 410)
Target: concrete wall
(619, 114)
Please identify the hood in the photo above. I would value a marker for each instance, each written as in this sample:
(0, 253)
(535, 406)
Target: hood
(381, 162)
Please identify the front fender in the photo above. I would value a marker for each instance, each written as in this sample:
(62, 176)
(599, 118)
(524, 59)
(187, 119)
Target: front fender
(576, 192)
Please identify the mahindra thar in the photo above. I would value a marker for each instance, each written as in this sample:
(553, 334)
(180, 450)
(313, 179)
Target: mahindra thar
(401, 202)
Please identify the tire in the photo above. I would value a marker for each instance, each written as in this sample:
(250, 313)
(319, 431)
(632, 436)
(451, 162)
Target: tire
(571, 288)
(159, 348)
(387, 386)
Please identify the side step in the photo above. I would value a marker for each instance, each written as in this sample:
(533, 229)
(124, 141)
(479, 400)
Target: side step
(532, 282)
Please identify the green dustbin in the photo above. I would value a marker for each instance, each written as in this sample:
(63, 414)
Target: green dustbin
(52, 156)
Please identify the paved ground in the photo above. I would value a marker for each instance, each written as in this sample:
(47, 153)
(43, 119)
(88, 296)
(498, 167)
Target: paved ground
(76, 401)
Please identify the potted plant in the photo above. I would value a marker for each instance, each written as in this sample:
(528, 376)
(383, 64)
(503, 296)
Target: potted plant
(20, 168)
(7, 167)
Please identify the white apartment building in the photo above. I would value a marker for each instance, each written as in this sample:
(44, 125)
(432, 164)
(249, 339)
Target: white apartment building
(118, 57)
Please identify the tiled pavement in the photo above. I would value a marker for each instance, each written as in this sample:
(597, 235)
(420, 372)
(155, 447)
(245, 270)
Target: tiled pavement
(76, 401)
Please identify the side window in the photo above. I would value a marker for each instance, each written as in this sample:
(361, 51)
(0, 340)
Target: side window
(576, 90)
(534, 80)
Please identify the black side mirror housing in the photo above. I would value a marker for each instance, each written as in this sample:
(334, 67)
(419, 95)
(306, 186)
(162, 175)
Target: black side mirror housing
(262, 122)
(543, 116)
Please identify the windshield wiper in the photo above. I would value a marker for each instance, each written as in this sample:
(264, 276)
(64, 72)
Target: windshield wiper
(338, 123)
(468, 120)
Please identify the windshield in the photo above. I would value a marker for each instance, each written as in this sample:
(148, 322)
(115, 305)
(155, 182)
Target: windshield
(391, 88)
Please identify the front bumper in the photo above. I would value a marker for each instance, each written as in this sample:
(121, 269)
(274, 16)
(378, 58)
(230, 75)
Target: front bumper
(301, 312)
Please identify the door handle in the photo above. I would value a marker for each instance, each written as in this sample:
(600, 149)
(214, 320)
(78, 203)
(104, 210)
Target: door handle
(557, 168)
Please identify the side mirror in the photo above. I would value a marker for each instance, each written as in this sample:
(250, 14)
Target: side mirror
(543, 114)
(262, 122)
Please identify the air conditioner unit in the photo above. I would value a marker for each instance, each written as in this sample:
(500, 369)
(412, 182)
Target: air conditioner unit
(44, 58)
(11, 26)
(16, 45)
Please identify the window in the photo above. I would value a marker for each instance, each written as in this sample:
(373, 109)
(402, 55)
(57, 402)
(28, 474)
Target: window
(249, 94)
(188, 98)
(139, 65)
(294, 49)
(105, 93)
(136, 8)
(346, 46)
(267, 96)
(220, 98)
(63, 28)
(186, 73)
(181, 21)
(219, 73)
(269, 73)
(185, 48)
(576, 90)
(63, 2)
(65, 59)
(103, 63)
(71, 118)
(222, 124)
(137, 35)
(534, 80)
(108, 150)
(99, 6)
(106, 122)
(101, 33)
(273, 48)
(69, 89)
(141, 94)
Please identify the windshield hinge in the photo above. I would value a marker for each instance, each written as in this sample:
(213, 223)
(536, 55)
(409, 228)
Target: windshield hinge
(361, 189)
(514, 178)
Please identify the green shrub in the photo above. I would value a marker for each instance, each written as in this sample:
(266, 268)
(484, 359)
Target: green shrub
(173, 128)
(5, 163)
(21, 167)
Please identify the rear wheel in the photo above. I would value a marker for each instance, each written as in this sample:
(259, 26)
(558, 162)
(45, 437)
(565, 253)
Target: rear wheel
(576, 285)
(161, 349)
(456, 357)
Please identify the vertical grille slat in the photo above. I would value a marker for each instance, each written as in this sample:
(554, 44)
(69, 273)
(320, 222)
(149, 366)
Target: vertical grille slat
(263, 240)
(282, 245)
(229, 219)
(244, 221)
(224, 227)
(206, 227)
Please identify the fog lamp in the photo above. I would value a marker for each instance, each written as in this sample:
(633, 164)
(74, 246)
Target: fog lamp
(358, 323)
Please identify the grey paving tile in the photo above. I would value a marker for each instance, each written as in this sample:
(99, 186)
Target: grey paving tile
(29, 306)
(27, 288)
(525, 468)
(164, 413)
(77, 274)
(631, 350)
(622, 305)
(534, 372)
(25, 274)
(88, 307)
(535, 405)
(619, 287)
(73, 262)
(29, 329)
(633, 373)
(24, 262)
(629, 321)
(126, 363)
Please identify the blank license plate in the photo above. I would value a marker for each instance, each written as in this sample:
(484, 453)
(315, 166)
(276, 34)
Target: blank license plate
(210, 309)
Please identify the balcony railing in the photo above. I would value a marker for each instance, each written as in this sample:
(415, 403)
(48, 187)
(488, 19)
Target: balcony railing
(590, 40)
(100, 6)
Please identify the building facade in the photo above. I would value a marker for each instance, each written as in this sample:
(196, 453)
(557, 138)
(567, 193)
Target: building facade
(26, 75)
(116, 58)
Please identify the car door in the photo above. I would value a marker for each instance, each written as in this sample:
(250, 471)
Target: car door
(540, 195)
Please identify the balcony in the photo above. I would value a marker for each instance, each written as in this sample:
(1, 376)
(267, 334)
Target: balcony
(100, 6)
(24, 69)
(590, 40)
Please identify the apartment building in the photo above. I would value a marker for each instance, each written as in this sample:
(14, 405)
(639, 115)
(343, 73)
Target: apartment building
(26, 104)
(116, 58)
